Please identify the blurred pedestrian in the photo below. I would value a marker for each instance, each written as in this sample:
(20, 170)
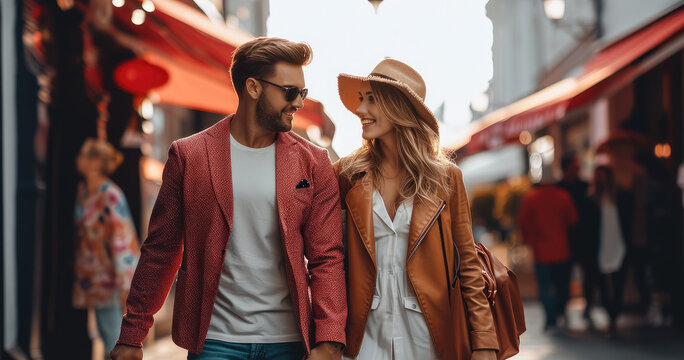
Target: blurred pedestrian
(612, 228)
(248, 223)
(583, 246)
(107, 248)
(652, 228)
(546, 214)
(406, 207)
(661, 251)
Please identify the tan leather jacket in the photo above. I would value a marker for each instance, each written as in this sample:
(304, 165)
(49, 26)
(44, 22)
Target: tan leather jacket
(425, 266)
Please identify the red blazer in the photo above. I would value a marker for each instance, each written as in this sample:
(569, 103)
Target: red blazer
(191, 223)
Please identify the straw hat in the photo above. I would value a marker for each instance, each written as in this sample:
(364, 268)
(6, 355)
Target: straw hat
(395, 73)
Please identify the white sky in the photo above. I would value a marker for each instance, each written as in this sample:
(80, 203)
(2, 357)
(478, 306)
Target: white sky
(447, 41)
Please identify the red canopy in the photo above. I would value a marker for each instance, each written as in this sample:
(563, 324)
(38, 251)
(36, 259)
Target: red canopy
(606, 69)
(196, 53)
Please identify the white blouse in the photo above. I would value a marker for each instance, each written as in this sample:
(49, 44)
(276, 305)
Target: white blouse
(396, 328)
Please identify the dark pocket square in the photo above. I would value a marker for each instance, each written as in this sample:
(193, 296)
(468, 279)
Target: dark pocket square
(303, 184)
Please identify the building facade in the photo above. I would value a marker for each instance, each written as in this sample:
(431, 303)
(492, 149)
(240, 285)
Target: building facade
(607, 89)
(531, 52)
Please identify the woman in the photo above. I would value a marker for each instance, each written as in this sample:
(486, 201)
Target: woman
(612, 207)
(406, 204)
(107, 248)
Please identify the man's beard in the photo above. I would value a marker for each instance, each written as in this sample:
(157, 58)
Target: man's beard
(270, 119)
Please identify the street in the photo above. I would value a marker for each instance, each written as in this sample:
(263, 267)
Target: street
(635, 340)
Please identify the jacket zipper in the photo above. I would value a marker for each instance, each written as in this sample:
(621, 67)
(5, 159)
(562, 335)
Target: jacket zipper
(424, 234)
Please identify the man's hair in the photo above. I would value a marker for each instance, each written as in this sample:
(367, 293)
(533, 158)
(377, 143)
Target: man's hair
(256, 58)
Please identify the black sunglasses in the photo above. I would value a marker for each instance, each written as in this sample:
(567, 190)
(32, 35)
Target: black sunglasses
(291, 92)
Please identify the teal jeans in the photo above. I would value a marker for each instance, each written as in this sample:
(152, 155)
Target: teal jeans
(108, 325)
(220, 350)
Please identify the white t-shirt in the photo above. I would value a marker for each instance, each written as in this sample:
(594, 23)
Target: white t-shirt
(253, 303)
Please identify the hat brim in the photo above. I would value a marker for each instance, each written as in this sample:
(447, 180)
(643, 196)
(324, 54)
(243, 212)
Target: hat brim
(348, 87)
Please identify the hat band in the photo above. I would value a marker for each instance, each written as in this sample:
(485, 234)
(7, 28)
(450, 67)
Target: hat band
(383, 76)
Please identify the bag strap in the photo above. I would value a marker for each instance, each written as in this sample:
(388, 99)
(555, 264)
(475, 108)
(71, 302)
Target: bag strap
(451, 283)
(446, 263)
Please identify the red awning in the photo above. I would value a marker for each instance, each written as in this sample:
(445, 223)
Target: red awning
(607, 68)
(196, 53)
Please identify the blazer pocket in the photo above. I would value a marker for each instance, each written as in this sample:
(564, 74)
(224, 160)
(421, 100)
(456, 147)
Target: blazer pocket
(303, 196)
(300, 207)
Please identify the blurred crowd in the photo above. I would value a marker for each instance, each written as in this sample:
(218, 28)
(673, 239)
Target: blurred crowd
(591, 239)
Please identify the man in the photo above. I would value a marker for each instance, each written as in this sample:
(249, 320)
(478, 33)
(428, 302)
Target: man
(241, 206)
(583, 246)
(545, 215)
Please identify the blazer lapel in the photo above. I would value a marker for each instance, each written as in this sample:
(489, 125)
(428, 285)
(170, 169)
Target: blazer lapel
(359, 202)
(286, 178)
(218, 152)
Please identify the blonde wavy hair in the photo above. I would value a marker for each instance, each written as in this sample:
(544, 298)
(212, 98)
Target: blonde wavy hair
(426, 166)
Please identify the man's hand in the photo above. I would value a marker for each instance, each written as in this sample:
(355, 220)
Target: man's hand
(326, 351)
(483, 355)
(126, 352)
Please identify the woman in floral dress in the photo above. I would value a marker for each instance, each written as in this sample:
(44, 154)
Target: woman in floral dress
(107, 247)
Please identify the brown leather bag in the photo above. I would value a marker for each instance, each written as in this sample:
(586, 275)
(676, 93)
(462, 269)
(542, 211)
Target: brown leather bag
(501, 289)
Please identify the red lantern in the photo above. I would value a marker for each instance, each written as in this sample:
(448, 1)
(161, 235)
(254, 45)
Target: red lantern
(138, 76)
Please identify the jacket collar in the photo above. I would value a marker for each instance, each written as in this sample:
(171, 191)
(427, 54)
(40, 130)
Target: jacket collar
(359, 202)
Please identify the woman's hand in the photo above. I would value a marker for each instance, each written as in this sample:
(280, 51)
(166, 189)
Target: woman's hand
(483, 355)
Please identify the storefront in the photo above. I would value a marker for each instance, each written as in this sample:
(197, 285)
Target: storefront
(137, 76)
(629, 94)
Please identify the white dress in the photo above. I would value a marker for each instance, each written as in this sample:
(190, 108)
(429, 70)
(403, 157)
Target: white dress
(396, 328)
(612, 248)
